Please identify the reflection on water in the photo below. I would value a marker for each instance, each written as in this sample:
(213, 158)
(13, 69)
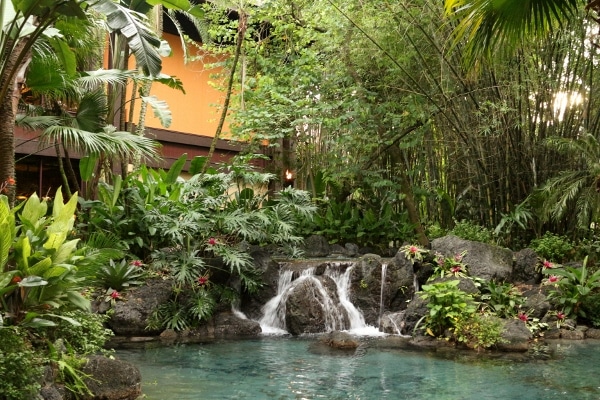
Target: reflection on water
(299, 368)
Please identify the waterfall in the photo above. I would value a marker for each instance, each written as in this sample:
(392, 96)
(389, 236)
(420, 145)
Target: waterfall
(273, 319)
(383, 274)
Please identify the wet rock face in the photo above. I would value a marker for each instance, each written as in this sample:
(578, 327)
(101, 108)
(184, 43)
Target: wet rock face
(313, 307)
(374, 297)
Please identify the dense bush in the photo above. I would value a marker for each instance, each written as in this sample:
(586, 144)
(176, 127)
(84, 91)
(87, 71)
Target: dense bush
(552, 247)
(21, 366)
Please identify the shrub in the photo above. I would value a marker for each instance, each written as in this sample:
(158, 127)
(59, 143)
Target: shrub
(552, 247)
(447, 304)
(504, 299)
(20, 366)
(470, 231)
(87, 337)
(571, 288)
(479, 330)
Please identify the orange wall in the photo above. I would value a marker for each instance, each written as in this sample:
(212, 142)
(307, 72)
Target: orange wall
(193, 112)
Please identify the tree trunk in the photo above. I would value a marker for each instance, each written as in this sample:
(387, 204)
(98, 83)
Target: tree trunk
(8, 111)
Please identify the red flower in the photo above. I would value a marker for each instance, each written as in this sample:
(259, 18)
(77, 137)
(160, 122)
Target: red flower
(202, 280)
(456, 269)
(115, 294)
(137, 263)
(16, 279)
(413, 249)
(547, 264)
(212, 241)
(11, 181)
(560, 315)
(523, 317)
(553, 279)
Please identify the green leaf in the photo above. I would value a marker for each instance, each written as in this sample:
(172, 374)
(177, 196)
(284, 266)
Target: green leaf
(65, 55)
(87, 166)
(161, 110)
(176, 169)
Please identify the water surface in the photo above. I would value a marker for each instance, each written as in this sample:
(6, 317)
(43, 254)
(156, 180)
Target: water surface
(298, 368)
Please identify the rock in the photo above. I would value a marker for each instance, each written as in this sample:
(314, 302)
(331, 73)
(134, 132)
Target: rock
(538, 303)
(574, 334)
(316, 246)
(352, 249)
(251, 304)
(515, 335)
(112, 379)
(130, 317)
(525, 268)
(341, 340)
(592, 333)
(337, 251)
(392, 323)
(371, 297)
(51, 393)
(309, 307)
(416, 309)
(483, 260)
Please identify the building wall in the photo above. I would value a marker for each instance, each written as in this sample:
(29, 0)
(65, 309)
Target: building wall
(195, 111)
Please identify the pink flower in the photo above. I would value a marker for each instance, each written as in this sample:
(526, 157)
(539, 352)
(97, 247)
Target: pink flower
(552, 279)
(547, 264)
(560, 315)
(413, 250)
(137, 263)
(115, 294)
(212, 241)
(202, 280)
(440, 260)
(523, 317)
(458, 257)
(456, 269)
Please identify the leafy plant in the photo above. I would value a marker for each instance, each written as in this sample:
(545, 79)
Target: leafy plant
(504, 299)
(447, 304)
(571, 287)
(38, 270)
(552, 247)
(444, 266)
(119, 275)
(471, 231)
(87, 337)
(21, 366)
(478, 330)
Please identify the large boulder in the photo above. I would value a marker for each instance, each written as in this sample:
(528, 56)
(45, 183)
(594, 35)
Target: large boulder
(525, 269)
(312, 306)
(515, 336)
(112, 379)
(316, 246)
(483, 260)
(131, 316)
(374, 296)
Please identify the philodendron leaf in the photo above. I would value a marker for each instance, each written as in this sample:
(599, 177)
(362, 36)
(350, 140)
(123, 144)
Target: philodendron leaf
(32, 281)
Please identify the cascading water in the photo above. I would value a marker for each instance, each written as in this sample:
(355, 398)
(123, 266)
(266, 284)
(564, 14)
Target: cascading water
(273, 320)
(383, 274)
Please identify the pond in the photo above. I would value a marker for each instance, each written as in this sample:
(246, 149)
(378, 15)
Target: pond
(300, 368)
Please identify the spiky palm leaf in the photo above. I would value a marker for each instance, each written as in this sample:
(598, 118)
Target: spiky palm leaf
(492, 26)
(578, 189)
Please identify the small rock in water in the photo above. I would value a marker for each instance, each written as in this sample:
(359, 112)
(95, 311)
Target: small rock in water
(341, 340)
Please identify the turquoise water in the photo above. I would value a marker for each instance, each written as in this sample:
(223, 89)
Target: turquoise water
(299, 368)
